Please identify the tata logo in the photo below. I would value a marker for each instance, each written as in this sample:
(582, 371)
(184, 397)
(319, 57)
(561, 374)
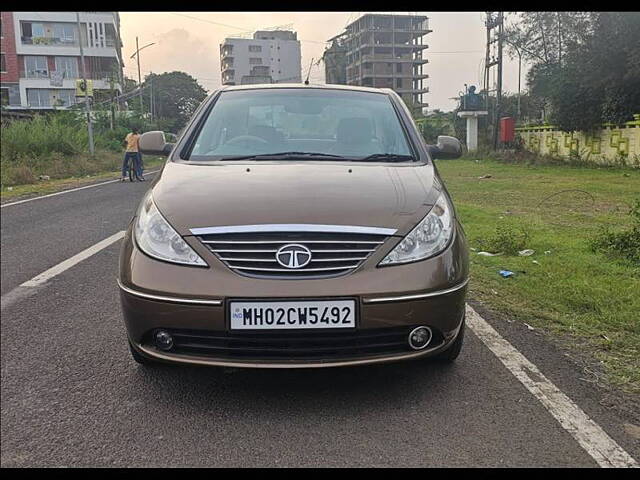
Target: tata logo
(293, 256)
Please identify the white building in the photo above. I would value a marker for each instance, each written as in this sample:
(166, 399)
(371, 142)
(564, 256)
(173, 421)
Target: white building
(45, 56)
(268, 57)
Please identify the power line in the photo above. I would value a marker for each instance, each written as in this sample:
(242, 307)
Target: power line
(237, 28)
(210, 21)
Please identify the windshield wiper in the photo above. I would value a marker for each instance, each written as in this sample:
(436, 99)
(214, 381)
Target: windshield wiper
(283, 155)
(390, 157)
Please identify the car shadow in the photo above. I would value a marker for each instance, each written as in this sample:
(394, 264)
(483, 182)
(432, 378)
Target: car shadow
(312, 389)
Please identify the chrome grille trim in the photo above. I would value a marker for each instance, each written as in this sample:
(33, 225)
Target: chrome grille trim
(293, 227)
(288, 270)
(259, 242)
(253, 253)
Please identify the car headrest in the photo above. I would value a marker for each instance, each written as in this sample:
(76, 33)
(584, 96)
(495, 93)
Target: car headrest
(356, 130)
(267, 132)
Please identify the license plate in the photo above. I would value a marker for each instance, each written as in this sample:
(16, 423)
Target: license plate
(285, 315)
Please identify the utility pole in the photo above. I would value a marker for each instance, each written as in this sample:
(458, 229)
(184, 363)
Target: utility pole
(137, 55)
(87, 106)
(139, 77)
(499, 87)
(494, 23)
(151, 109)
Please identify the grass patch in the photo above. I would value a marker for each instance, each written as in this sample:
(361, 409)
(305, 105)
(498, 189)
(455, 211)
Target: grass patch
(100, 172)
(623, 244)
(572, 289)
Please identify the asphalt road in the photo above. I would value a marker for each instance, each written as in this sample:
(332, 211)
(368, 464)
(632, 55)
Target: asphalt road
(72, 396)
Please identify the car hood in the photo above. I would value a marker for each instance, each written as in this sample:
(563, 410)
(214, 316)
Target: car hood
(374, 195)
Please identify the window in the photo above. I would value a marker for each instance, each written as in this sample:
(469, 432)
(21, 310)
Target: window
(398, 83)
(255, 61)
(32, 29)
(398, 68)
(64, 97)
(68, 66)
(4, 96)
(3, 63)
(38, 97)
(255, 48)
(65, 32)
(344, 123)
(36, 66)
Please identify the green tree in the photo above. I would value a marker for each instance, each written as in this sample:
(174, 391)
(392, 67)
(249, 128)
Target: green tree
(585, 66)
(176, 97)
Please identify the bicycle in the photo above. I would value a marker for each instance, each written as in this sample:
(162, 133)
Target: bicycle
(131, 167)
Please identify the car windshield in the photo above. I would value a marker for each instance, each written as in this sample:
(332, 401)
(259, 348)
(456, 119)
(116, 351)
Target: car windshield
(305, 124)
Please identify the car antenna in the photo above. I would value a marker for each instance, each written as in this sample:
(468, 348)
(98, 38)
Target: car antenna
(306, 81)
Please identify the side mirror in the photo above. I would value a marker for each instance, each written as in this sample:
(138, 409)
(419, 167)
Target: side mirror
(154, 143)
(446, 148)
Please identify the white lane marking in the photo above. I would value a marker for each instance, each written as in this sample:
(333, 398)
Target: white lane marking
(16, 295)
(70, 262)
(602, 448)
(65, 191)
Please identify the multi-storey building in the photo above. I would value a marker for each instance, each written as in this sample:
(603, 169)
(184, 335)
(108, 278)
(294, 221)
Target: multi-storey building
(41, 57)
(268, 57)
(386, 51)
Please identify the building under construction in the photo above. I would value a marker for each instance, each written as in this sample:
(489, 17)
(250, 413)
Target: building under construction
(386, 51)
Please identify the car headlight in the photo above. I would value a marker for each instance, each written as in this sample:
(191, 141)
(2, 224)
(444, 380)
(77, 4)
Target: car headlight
(428, 238)
(158, 239)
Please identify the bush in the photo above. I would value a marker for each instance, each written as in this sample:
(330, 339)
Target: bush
(41, 136)
(57, 144)
(623, 245)
(508, 239)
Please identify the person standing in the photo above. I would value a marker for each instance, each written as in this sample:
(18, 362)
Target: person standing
(132, 154)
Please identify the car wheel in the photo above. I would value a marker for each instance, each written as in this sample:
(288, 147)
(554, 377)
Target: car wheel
(451, 353)
(139, 358)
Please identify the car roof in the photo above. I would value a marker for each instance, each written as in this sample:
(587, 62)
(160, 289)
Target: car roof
(324, 86)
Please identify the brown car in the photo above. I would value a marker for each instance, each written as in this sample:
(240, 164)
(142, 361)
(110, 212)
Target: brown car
(296, 226)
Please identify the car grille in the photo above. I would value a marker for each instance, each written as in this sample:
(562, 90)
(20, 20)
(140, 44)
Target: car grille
(294, 345)
(254, 254)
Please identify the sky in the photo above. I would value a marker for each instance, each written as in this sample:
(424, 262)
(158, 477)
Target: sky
(190, 42)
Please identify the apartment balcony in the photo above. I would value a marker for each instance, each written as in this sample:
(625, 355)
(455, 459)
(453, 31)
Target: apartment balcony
(51, 75)
(370, 44)
(62, 42)
(390, 58)
(43, 79)
(412, 90)
(367, 74)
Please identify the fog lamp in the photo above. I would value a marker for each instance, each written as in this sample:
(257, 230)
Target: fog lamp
(164, 341)
(419, 338)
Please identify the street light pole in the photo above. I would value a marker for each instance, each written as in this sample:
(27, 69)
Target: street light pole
(139, 77)
(87, 106)
(137, 55)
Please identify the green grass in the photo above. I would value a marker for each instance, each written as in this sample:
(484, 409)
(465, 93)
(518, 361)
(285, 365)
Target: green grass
(592, 300)
(100, 171)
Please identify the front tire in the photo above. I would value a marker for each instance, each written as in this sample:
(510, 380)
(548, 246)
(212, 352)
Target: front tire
(451, 353)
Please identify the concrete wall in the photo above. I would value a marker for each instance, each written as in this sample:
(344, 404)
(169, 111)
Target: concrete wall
(612, 145)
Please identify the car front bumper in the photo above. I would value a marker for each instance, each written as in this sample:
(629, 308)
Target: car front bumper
(157, 295)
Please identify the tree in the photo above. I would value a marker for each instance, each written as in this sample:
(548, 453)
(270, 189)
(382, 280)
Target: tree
(585, 66)
(176, 95)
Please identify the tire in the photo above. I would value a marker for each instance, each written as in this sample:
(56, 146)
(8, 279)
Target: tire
(139, 358)
(451, 353)
(131, 174)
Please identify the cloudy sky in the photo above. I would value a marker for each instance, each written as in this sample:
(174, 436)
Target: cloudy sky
(190, 41)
